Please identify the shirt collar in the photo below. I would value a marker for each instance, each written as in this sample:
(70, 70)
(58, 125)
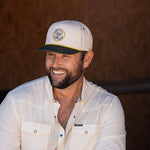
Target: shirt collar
(49, 89)
(84, 87)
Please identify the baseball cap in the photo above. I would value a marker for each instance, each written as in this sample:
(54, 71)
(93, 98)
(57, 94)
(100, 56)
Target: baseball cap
(68, 37)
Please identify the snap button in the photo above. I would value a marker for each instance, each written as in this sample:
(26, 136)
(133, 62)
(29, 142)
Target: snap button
(35, 131)
(85, 132)
(61, 135)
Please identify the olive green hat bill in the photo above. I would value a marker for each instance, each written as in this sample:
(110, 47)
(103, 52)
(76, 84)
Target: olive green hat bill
(68, 37)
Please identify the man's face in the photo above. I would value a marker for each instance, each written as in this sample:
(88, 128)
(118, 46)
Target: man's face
(62, 69)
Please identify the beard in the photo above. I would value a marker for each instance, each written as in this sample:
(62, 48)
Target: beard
(67, 80)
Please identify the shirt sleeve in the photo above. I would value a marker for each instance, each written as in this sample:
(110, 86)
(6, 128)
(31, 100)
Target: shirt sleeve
(112, 132)
(9, 125)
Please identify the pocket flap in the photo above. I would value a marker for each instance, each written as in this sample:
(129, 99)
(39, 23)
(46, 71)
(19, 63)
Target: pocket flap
(86, 130)
(36, 128)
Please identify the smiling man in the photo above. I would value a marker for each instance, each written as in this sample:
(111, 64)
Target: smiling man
(63, 111)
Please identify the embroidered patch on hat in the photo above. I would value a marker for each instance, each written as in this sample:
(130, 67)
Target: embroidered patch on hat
(58, 34)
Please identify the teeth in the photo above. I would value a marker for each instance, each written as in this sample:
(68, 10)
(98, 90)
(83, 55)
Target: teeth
(58, 72)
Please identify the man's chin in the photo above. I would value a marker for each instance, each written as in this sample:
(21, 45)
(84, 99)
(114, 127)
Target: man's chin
(58, 83)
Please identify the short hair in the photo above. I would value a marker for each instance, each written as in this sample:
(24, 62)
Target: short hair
(82, 54)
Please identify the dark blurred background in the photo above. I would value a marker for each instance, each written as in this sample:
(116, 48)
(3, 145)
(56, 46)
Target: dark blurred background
(121, 31)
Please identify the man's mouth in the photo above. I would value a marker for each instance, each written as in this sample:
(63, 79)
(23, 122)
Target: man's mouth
(58, 72)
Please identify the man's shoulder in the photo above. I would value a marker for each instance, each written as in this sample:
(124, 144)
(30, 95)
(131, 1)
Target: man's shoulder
(29, 87)
(32, 83)
(95, 88)
(98, 93)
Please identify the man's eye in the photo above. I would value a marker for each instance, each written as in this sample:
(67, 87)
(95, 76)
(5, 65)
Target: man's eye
(50, 54)
(65, 55)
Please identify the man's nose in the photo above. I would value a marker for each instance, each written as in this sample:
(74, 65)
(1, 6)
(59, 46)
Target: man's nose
(57, 61)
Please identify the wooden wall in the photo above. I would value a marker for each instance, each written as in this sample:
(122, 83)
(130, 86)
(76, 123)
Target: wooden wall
(120, 28)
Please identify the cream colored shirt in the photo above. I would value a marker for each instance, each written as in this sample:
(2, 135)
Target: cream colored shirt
(28, 120)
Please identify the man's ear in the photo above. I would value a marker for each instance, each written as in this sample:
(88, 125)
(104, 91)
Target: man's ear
(88, 58)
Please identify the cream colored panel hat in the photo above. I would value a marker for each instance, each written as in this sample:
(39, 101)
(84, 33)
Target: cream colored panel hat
(68, 37)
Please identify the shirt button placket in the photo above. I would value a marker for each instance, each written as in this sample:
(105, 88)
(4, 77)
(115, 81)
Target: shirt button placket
(35, 131)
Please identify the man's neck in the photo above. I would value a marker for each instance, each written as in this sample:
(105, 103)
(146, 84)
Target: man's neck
(70, 94)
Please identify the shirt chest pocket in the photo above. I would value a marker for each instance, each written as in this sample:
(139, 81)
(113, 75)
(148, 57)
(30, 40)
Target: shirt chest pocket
(34, 136)
(84, 137)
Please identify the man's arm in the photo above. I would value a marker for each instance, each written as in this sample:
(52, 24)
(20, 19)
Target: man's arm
(113, 132)
(9, 125)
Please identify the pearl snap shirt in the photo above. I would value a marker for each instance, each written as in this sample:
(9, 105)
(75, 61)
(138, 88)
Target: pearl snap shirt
(28, 120)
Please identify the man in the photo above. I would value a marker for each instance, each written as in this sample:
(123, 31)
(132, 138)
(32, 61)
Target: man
(63, 111)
